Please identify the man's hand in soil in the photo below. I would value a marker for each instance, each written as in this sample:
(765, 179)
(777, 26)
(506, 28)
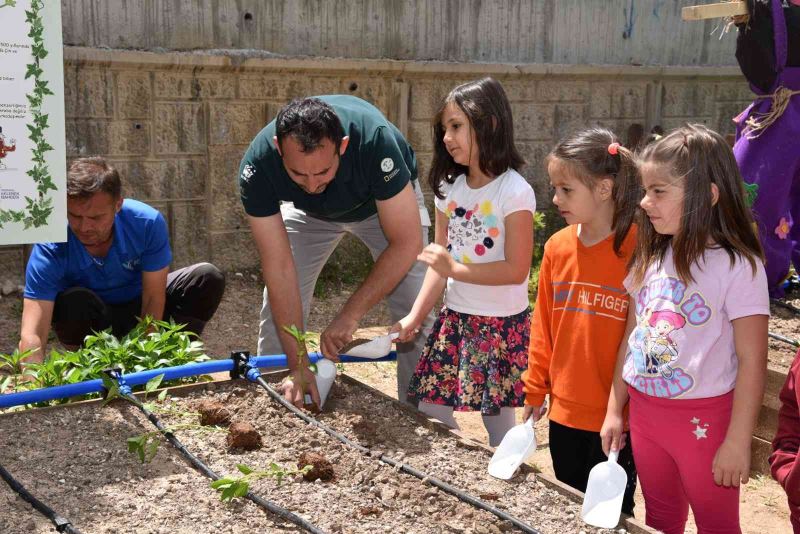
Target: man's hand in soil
(338, 334)
(291, 387)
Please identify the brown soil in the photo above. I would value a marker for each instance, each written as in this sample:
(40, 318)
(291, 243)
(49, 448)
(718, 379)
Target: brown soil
(243, 436)
(786, 323)
(235, 326)
(105, 489)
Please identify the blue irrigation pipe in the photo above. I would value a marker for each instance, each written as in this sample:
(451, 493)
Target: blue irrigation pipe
(33, 396)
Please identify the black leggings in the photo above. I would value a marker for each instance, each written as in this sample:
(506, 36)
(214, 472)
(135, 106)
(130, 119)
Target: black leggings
(575, 452)
(193, 294)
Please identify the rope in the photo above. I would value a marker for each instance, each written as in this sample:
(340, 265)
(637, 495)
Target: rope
(757, 123)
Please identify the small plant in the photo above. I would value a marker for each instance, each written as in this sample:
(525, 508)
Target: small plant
(14, 365)
(234, 487)
(538, 251)
(304, 340)
(145, 445)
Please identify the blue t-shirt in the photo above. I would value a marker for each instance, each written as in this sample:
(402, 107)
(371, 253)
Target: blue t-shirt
(141, 243)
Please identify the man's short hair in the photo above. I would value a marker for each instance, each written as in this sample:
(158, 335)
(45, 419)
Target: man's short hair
(309, 121)
(87, 176)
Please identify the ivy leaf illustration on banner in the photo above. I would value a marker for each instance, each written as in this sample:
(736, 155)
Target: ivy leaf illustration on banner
(37, 211)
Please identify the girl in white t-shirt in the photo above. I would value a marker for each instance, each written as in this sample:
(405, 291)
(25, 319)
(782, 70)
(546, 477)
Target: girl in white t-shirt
(477, 351)
(694, 364)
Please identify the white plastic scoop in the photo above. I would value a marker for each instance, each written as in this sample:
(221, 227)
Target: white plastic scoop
(602, 503)
(517, 445)
(326, 374)
(376, 348)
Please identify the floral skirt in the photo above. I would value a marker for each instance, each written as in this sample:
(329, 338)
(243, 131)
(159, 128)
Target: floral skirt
(473, 362)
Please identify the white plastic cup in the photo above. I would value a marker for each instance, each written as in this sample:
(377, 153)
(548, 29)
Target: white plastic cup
(326, 374)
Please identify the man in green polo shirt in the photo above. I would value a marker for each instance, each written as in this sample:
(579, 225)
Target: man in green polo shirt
(324, 167)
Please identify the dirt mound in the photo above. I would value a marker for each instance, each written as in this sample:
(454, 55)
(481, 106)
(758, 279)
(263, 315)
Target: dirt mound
(243, 436)
(321, 468)
(213, 413)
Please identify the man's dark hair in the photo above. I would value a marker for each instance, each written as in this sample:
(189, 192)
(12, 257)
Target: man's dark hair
(87, 176)
(309, 121)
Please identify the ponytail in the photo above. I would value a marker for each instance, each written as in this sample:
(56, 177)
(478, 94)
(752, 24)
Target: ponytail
(597, 154)
(626, 195)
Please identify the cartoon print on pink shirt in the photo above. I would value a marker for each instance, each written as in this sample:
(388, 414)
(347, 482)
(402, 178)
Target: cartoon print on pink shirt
(663, 309)
(470, 230)
(661, 349)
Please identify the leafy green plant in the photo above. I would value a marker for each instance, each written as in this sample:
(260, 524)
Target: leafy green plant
(234, 487)
(538, 252)
(13, 364)
(150, 345)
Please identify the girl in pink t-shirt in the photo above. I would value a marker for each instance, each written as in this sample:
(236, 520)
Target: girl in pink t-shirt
(694, 364)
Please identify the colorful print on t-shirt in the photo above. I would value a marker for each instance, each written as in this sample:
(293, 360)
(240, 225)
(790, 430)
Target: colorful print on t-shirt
(663, 311)
(471, 230)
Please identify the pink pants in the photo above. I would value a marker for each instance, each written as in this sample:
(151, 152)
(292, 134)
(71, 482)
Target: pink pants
(676, 441)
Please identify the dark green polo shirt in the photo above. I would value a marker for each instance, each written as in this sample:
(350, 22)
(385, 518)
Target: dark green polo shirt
(377, 164)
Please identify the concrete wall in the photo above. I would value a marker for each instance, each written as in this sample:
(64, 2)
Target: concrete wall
(617, 32)
(177, 125)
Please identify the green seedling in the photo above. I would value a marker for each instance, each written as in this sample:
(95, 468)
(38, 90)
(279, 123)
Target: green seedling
(304, 341)
(145, 445)
(14, 365)
(235, 487)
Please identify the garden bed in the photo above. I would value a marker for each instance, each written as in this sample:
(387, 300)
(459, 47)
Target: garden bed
(75, 459)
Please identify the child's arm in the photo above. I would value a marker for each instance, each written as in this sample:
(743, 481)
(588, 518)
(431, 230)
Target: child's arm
(431, 290)
(514, 269)
(611, 433)
(732, 461)
(536, 377)
(785, 460)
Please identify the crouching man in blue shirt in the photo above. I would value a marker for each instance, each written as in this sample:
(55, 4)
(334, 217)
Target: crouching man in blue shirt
(112, 269)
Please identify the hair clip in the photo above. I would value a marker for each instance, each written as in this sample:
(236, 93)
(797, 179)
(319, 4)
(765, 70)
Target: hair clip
(613, 149)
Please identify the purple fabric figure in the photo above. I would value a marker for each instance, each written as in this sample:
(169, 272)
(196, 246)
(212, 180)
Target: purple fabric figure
(770, 159)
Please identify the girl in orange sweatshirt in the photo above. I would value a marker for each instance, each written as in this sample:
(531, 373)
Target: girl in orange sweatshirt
(581, 308)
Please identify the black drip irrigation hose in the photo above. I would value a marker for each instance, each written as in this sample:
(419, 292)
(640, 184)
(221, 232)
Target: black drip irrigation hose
(786, 305)
(779, 337)
(442, 485)
(203, 468)
(62, 524)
